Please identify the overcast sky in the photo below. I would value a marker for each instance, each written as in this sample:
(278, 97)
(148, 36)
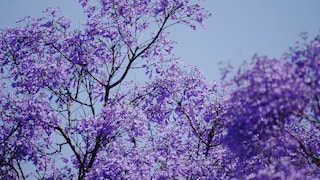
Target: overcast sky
(236, 30)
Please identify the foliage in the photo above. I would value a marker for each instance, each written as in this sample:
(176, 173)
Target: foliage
(67, 112)
(71, 110)
(274, 115)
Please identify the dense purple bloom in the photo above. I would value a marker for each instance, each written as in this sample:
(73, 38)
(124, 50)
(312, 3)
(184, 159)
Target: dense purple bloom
(274, 115)
(64, 92)
(70, 110)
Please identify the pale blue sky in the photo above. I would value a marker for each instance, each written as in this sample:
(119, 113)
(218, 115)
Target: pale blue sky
(236, 31)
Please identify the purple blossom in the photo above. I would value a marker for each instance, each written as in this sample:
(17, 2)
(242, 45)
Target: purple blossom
(64, 93)
(69, 95)
(273, 116)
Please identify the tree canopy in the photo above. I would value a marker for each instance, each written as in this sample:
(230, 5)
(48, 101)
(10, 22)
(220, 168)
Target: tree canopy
(70, 110)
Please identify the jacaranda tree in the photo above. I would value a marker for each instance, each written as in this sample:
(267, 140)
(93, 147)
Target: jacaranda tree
(70, 108)
(274, 116)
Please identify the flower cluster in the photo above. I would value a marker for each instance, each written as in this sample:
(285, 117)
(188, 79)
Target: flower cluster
(69, 109)
(63, 91)
(274, 114)
(185, 122)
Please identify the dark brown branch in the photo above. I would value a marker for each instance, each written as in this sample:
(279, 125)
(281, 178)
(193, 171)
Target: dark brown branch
(305, 149)
(21, 171)
(135, 56)
(191, 125)
(95, 151)
(68, 140)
